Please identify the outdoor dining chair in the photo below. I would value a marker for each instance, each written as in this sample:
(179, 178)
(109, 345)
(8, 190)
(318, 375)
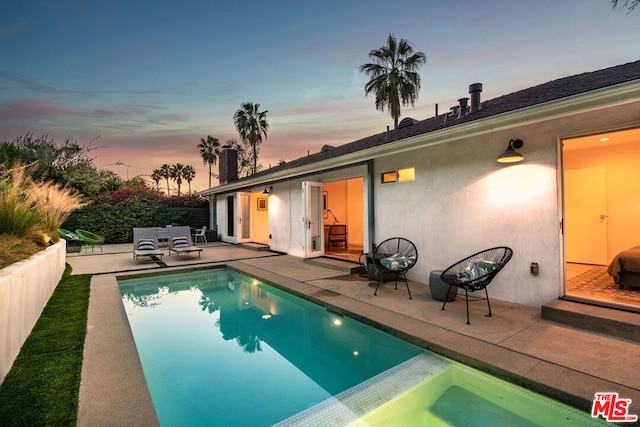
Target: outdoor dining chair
(394, 256)
(202, 233)
(475, 273)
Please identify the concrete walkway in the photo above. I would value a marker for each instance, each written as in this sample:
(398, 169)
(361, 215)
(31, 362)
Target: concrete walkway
(516, 344)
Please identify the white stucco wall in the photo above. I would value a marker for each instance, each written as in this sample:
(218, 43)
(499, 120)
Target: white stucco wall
(25, 288)
(462, 201)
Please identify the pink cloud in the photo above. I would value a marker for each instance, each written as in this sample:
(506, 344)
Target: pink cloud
(33, 109)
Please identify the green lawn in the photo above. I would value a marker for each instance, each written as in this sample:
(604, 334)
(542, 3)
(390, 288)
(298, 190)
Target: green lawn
(42, 387)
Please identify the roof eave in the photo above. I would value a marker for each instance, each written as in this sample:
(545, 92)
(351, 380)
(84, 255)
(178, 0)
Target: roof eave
(610, 96)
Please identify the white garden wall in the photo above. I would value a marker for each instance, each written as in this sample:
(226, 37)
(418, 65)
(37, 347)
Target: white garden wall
(25, 288)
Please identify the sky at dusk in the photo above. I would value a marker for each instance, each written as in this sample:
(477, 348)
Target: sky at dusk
(150, 78)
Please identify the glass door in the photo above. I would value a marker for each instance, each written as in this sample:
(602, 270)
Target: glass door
(244, 217)
(312, 219)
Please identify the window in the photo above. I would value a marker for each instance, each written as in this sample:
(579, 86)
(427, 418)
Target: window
(399, 176)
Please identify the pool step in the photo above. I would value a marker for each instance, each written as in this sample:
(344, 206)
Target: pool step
(602, 320)
(357, 401)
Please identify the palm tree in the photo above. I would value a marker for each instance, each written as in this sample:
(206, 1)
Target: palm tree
(156, 176)
(631, 4)
(394, 76)
(189, 173)
(165, 172)
(177, 171)
(210, 151)
(251, 125)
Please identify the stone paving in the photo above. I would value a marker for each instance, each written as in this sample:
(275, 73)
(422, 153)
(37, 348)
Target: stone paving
(516, 344)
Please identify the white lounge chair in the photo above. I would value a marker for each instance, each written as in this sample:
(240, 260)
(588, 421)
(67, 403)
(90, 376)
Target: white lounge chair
(180, 241)
(145, 243)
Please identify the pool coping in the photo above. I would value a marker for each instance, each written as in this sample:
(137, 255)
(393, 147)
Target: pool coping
(114, 391)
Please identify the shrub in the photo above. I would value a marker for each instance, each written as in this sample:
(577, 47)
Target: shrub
(17, 217)
(31, 209)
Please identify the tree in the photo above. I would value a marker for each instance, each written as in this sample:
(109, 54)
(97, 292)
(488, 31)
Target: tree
(156, 176)
(631, 4)
(210, 151)
(165, 172)
(251, 125)
(189, 173)
(394, 76)
(177, 172)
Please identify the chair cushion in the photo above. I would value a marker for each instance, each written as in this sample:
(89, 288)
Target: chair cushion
(146, 245)
(477, 268)
(397, 262)
(180, 242)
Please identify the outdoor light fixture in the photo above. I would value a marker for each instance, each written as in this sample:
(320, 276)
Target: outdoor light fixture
(267, 189)
(511, 155)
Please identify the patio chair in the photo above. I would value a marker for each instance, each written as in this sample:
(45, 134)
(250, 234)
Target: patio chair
(74, 242)
(200, 233)
(475, 273)
(180, 241)
(90, 239)
(395, 257)
(145, 243)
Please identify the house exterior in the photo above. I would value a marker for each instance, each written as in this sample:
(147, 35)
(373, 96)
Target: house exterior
(437, 183)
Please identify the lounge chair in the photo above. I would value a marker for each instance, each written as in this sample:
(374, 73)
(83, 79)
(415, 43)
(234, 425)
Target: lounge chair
(180, 241)
(394, 257)
(145, 243)
(90, 239)
(475, 272)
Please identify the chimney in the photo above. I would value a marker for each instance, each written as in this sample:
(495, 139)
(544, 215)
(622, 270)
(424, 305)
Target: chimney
(464, 109)
(228, 166)
(474, 91)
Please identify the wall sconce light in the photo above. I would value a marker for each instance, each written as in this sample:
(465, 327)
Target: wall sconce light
(267, 190)
(511, 155)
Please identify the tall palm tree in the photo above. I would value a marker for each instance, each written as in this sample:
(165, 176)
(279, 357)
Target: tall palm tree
(627, 3)
(394, 75)
(210, 151)
(156, 176)
(165, 172)
(251, 125)
(177, 171)
(189, 173)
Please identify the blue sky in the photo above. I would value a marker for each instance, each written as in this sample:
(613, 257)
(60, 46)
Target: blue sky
(150, 78)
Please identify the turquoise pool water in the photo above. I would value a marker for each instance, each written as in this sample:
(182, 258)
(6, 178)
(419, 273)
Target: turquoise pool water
(219, 348)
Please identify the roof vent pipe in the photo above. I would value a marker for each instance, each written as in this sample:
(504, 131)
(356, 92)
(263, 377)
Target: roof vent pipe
(474, 91)
(464, 109)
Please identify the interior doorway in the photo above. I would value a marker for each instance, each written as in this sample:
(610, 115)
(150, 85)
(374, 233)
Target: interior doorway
(343, 212)
(601, 200)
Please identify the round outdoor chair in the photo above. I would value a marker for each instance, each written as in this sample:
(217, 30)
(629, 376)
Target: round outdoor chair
(90, 239)
(475, 272)
(394, 256)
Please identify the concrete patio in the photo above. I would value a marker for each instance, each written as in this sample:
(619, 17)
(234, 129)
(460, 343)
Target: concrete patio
(517, 344)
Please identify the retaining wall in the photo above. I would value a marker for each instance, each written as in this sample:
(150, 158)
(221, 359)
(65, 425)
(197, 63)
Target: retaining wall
(25, 288)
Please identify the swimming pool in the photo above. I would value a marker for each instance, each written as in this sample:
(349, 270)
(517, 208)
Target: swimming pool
(221, 348)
